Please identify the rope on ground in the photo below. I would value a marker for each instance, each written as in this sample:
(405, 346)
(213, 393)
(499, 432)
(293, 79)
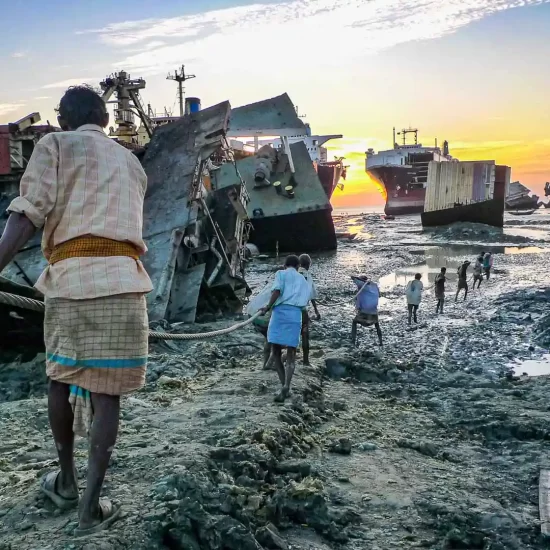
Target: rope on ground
(15, 300)
(204, 335)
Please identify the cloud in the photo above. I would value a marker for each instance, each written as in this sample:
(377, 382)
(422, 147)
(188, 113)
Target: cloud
(6, 108)
(71, 82)
(42, 97)
(18, 55)
(294, 30)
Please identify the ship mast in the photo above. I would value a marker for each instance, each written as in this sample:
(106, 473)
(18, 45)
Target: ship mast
(406, 131)
(180, 77)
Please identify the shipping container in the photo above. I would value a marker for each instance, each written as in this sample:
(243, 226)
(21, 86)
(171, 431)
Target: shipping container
(458, 183)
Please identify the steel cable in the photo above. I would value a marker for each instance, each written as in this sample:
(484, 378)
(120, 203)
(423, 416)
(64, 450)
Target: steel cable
(36, 305)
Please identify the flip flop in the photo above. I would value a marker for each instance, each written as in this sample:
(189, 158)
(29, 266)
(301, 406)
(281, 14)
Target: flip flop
(47, 486)
(108, 513)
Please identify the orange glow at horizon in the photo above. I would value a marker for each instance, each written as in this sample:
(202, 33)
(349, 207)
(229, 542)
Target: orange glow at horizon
(360, 188)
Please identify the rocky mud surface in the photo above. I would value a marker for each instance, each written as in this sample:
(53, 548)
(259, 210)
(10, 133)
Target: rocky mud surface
(434, 441)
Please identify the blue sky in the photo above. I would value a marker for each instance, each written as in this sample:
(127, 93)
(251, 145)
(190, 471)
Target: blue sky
(474, 72)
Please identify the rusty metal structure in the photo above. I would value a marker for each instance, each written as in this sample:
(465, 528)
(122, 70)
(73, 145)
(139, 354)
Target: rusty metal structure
(127, 105)
(17, 141)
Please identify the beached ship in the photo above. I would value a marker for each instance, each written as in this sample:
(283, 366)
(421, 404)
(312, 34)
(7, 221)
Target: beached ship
(520, 197)
(288, 206)
(403, 171)
(465, 192)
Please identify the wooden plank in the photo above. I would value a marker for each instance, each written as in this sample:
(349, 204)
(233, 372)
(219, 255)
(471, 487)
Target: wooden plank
(544, 501)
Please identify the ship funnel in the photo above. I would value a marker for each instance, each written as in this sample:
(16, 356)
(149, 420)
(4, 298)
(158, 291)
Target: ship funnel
(192, 105)
(446, 148)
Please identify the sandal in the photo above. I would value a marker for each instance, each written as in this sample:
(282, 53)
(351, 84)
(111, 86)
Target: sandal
(48, 487)
(108, 513)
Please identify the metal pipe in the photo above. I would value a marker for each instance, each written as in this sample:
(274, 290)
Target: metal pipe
(218, 265)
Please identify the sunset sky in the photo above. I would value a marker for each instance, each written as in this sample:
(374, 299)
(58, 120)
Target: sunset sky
(474, 72)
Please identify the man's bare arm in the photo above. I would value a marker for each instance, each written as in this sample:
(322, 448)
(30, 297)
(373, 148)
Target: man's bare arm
(274, 297)
(18, 231)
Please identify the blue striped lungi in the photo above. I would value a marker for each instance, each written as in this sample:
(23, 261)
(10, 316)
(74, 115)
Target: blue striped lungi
(285, 326)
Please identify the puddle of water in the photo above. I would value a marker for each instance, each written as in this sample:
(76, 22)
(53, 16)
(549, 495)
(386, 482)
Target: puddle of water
(529, 233)
(532, 367)
(450, 257)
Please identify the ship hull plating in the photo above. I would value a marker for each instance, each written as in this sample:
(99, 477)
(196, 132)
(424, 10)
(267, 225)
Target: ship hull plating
(329, 175)
(489, 212)
(299, 232)
(403, 196)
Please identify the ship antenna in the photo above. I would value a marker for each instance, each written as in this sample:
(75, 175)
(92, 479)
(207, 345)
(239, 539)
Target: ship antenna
(394, 142)
(180, 77)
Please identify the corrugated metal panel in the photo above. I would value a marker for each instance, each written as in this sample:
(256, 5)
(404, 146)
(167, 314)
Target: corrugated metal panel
(451, 183)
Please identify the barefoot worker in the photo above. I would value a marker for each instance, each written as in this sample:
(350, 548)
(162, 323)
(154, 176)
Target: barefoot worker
(478, 272)
(462, 273)
(487, 264)
(440, 281)
(86, 191)
(414, 296)
(305, 264)
(366, 306)
(290, 294)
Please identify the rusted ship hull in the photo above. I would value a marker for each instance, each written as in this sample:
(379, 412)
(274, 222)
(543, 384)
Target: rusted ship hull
(402, 196)
(330, 174)
(489, 212)
(303, 232)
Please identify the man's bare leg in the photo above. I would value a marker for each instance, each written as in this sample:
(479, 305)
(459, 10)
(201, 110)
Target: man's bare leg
(267, 355)
(354, 332)
(60, 414)
(102, 442)
(305, 344)
(276, 357)
(379, 332)
(289, 370)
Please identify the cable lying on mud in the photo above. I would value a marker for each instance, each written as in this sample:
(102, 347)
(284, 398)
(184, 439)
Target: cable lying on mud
(36, 305)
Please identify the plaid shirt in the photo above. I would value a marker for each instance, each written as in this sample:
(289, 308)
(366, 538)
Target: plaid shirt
(83, 183)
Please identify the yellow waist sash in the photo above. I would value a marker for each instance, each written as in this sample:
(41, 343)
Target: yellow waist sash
(89, 246)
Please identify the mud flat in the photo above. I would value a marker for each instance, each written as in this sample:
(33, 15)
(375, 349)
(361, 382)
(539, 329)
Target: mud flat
(435, 441)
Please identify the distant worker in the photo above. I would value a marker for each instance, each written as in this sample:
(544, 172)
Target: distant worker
(462, 273)
(305, 264)
(487, 264)
(366, 305)
(290, 294)
(440, 281)
(478, 272)
(414, 296)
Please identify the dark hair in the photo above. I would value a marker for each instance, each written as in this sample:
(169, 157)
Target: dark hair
(443, 270)
(418, 276)
(82, 105)
(292, 261)
(305, 261)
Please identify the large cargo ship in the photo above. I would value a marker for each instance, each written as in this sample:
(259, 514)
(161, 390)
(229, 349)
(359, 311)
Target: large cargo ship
(403, 172)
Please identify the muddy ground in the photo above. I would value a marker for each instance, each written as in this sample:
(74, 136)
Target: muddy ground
(434, 441)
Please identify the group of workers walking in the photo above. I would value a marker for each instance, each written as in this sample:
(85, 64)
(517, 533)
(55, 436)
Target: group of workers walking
(284, 317)
(483, 265)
